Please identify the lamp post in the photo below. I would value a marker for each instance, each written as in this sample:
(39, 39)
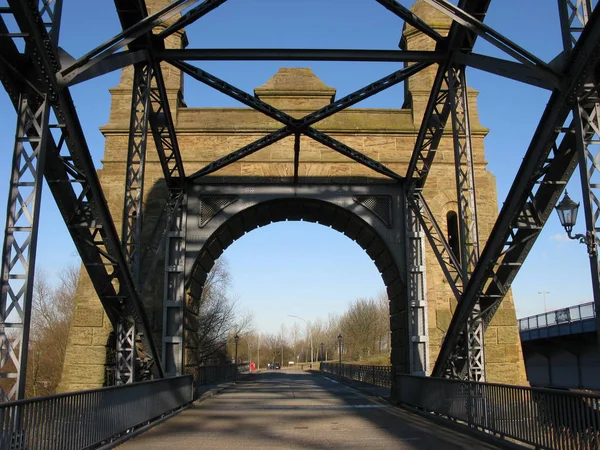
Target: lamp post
(340, 353)
(567, 214)
(544, 297)
(236, 339)
(310, 335)
(321, 354)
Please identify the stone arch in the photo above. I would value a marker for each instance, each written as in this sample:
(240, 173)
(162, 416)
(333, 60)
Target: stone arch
(377, 234)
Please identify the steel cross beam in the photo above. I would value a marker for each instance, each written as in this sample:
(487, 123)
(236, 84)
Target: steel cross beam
(586, 122)
(438, 108)
(74, 184)
(541, 178)
(302, 125)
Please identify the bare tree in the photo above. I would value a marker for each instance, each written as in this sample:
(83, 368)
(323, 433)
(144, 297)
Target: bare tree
(52, 313)
(218, 317)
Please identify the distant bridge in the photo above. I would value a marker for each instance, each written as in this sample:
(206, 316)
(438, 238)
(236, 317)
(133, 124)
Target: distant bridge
(561, 349)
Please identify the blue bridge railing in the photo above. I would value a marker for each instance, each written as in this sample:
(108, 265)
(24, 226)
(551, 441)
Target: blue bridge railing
(572, 320)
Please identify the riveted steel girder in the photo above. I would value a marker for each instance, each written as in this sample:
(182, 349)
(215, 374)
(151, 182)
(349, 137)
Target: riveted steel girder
(574, 17)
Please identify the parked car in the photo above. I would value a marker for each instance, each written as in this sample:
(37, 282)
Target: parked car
(276, 366)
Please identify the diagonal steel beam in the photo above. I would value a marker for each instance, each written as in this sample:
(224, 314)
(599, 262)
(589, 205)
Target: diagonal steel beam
(411, 18)
(243, 152)
(542, 176)
(191, 16)
(437, 239)
(349, 152)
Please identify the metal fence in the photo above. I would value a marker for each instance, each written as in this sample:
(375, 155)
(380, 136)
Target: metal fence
(89, 419)
(214, 374)
(375, 375)
(544, 418)
(572, 314)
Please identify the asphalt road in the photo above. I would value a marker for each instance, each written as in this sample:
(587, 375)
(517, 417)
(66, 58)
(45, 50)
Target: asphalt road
(299, 410)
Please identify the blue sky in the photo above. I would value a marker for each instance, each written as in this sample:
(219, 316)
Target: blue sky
(305, 269)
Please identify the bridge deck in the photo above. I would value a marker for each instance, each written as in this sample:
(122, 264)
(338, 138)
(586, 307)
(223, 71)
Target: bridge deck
(298, 410)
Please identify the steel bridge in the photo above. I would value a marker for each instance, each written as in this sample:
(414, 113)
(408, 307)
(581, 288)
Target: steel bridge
(50, 145)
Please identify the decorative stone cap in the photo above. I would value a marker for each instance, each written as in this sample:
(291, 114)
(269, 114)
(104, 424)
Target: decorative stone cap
(294, 89)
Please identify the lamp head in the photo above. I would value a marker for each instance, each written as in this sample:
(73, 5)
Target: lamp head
(567, 212)
(236, 338)
(340, 338)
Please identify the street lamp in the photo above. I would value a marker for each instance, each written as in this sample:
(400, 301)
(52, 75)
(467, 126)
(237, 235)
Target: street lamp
(236, 339)
(310, 334)
(544, 296)
(567, 214)
(340, 352)
(322, 354)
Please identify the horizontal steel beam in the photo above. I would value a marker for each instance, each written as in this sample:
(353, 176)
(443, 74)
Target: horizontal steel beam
(298, 54)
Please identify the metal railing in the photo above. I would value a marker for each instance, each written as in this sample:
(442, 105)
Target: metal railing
(89, 419)
(214, 374)
(375, 375)
(571, 314)
(544, 418)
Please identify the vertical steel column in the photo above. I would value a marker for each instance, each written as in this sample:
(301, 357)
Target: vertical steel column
(174, 289)
(417, 290)
(574, 16)
(20, 239)
(467, 212)
(132, 212)
(134, 178)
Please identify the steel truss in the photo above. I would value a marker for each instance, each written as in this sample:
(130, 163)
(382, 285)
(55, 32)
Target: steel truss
(72, 178)
(113, 266)
(546, 168)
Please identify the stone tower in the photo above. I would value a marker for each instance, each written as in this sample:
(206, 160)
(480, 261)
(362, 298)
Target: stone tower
(386, 135)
